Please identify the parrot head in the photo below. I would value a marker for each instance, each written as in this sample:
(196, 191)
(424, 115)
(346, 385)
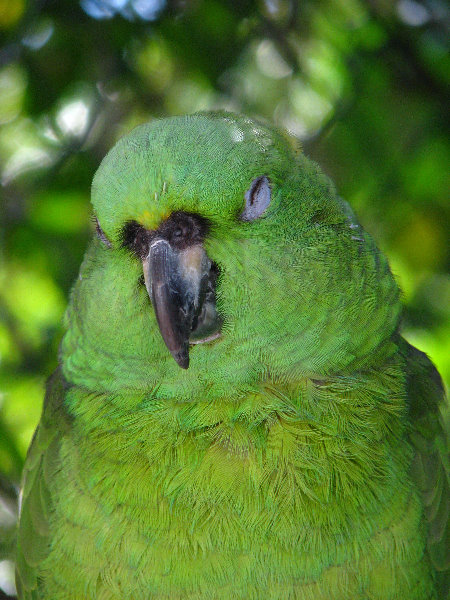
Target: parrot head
(223, 250)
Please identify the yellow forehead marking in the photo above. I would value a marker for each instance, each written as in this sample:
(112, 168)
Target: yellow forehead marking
(151, 220)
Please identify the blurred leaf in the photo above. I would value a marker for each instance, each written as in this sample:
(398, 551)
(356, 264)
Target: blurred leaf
(10, 12)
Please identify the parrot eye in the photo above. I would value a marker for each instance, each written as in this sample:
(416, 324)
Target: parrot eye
(257, 199)
(100, 234)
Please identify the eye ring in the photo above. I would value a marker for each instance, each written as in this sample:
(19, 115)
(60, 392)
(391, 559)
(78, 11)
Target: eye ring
(257, 198)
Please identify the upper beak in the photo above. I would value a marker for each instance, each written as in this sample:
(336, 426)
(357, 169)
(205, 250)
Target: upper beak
(176, 281)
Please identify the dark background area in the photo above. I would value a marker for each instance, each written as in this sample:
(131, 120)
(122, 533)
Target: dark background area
(362, 84)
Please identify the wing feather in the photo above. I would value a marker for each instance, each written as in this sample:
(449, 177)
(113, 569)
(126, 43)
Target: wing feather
(33, 540)
(430, 469)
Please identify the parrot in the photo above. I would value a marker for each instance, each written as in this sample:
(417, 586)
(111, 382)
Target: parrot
(235, 413)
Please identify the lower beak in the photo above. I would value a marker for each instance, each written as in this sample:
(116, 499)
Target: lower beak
(176, 281)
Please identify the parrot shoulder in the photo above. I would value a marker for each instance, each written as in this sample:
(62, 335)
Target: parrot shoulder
(429, 412)
(42, 460)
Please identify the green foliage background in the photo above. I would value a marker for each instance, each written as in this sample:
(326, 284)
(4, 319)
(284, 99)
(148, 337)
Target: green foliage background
(363, 85)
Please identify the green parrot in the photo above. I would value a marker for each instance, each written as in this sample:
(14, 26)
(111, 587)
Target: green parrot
(235, 414)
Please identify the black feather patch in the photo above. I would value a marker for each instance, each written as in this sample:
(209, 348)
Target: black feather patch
(136, 238)
(181, 230)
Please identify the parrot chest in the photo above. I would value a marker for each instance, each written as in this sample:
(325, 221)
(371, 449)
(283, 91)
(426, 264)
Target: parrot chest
(289, 505)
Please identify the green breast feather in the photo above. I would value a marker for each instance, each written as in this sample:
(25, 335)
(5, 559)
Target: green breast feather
(235, 414)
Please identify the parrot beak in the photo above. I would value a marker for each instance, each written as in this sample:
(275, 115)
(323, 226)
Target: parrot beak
(181, 286)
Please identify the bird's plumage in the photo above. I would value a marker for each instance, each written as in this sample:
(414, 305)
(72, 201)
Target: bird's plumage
(301, 455)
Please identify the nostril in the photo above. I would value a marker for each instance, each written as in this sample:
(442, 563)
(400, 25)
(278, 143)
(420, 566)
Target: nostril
(183, 229)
